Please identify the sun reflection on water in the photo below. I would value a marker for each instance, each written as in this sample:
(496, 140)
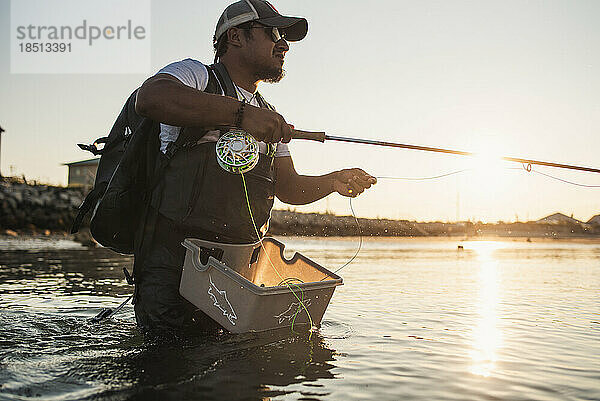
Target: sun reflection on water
(487, 336)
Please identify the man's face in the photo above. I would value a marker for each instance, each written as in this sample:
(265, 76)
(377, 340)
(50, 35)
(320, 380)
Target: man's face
(265, 56)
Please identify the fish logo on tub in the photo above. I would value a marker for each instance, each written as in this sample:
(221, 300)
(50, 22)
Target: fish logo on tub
(293, 310)
(221, 302)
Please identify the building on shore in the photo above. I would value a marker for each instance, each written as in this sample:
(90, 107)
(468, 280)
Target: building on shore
(594, 220)
(559, 218)
(82, 173)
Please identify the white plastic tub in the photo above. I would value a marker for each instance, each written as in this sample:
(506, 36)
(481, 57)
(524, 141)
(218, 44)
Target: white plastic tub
(238, 287)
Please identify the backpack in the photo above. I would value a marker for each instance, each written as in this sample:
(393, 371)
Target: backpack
(130, 166)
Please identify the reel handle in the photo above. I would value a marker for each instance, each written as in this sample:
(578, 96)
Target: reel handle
(309, 135)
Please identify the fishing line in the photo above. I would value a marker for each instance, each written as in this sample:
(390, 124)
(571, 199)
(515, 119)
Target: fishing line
(530, 170)
(283, 280)
(360, 243)
(526, 167)
(360, 236)
(291, 280)
(423, 178)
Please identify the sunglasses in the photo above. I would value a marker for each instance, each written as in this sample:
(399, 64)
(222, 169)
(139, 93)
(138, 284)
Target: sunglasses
(276, 35)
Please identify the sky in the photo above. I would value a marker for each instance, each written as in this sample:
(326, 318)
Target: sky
(512, 78)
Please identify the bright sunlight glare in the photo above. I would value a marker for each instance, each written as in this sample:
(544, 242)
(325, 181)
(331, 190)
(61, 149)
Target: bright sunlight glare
(489, 177)
(487, 337)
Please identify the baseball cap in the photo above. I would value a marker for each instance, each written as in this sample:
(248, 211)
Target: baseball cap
(263, 12)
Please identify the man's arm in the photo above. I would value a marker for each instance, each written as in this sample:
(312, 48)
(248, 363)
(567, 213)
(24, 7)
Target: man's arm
(165, 99)
(295, 189)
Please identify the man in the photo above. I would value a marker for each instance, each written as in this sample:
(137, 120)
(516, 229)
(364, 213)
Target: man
(196, 197)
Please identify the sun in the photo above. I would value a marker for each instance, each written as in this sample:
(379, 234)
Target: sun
(489, 171)
(487, 183)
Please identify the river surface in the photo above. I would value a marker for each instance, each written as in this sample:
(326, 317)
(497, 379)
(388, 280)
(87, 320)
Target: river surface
(416, 319)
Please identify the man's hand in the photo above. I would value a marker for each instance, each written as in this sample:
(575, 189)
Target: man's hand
(266, 125)
(352, 182)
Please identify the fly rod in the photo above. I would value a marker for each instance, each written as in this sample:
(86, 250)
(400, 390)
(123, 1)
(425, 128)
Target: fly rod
(322, 137)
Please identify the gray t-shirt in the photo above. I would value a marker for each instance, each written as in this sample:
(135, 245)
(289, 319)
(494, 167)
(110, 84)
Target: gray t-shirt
(193, 73)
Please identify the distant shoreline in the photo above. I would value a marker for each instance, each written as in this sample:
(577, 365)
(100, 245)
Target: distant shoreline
(328, 225)
(28, 210)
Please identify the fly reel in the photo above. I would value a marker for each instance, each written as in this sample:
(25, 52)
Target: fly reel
(237, 152)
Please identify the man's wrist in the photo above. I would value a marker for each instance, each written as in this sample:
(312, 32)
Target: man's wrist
(239, 115)
(331, 182)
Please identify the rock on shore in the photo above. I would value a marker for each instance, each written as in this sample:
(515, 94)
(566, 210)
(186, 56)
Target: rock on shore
(315, 224)
(30, 207)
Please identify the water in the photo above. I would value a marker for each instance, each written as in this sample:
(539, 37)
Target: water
(416, 319)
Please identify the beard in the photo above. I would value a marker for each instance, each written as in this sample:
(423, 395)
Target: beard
(271, 75)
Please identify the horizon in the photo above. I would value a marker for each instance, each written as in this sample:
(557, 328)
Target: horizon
(582, 221)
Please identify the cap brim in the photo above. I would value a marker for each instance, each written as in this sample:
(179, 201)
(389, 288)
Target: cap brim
(295, 28)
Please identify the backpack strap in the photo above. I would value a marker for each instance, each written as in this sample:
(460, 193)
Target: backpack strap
(263, 103)
(217, 84)
(90, 201)
(224, 79)
(214, 85)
